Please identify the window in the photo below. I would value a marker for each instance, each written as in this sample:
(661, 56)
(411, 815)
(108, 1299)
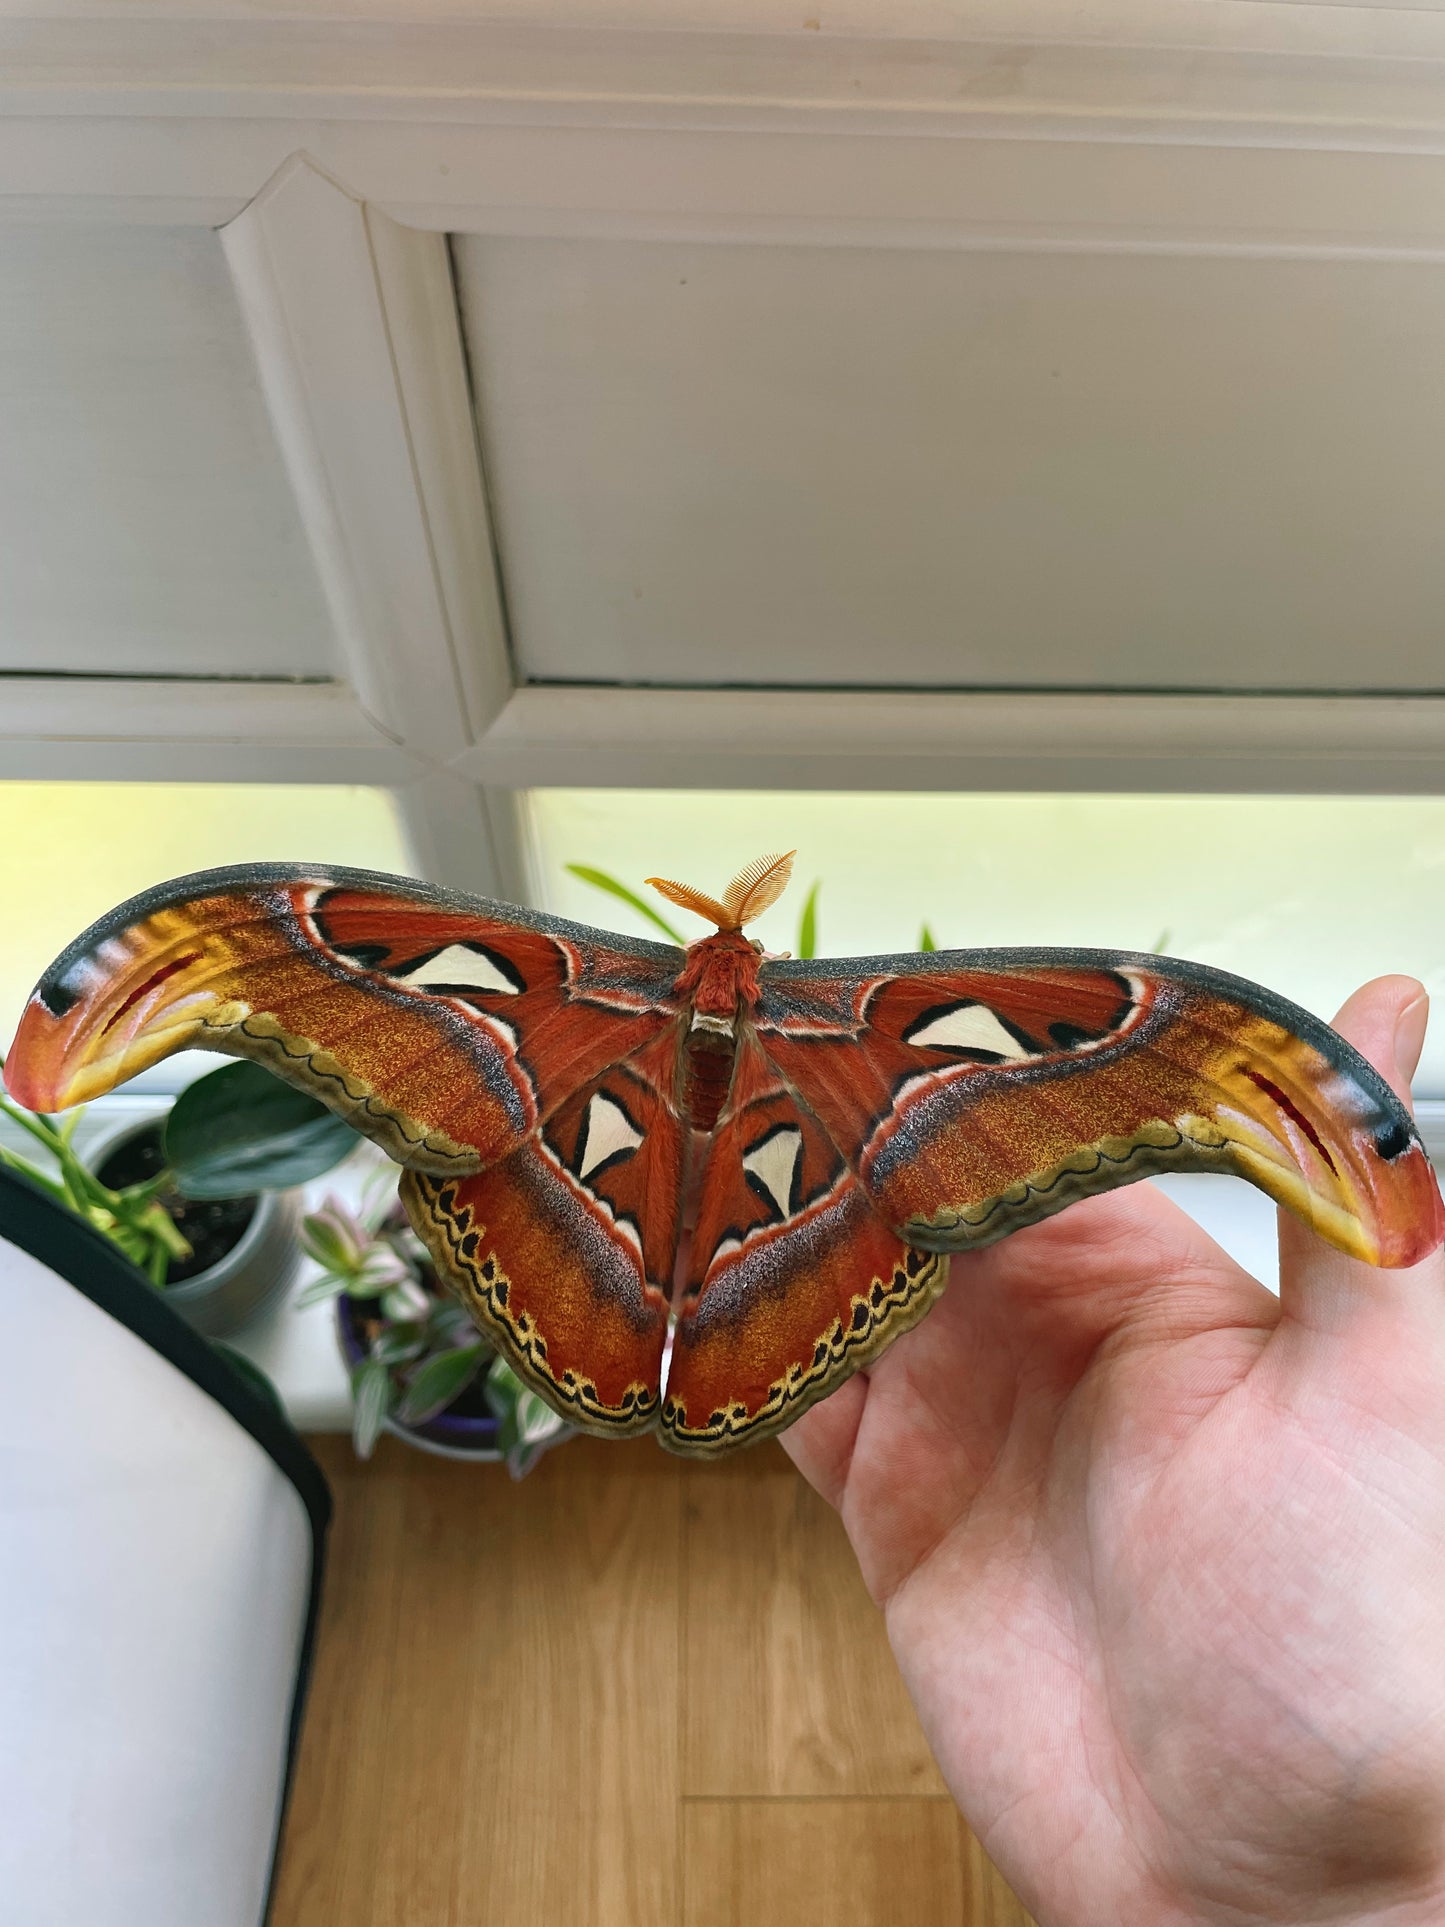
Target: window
(1309, 895)
(71, 851)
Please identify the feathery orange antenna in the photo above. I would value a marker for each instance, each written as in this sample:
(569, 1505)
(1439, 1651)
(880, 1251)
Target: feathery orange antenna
(751, 891)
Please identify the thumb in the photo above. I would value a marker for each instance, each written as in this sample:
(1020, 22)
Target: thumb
(1321, 1288)
(1386, 1022)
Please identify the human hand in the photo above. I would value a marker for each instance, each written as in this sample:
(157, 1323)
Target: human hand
(1163, 1558)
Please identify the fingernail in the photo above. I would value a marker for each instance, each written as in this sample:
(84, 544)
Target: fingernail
(1410, 1034)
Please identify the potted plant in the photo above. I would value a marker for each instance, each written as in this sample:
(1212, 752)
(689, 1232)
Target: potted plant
(202, 1199)
(419, 1367)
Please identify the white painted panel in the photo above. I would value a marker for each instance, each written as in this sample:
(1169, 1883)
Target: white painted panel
(851, 466)
(146, 524)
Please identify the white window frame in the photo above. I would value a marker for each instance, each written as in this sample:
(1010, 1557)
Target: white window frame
(335, 159)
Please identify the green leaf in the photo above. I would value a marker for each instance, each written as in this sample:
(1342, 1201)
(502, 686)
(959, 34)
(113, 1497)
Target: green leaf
(435, 1384)
(600, 880)
(399, 1344)
(373, 1393)
(449, 1324)
(808, 926)
(407, 1300)
(536, 1420)
(925, 940)
(1161, 943)
(328, 1285)
(332, 1238)
(526, 1424)
(35, 1175)
(501, 1390)
(240, 1130)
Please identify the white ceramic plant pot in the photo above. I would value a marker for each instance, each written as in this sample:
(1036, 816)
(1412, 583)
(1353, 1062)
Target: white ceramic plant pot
(253, 1274)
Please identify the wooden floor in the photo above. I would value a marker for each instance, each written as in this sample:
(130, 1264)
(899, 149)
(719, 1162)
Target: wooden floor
(628, 1692)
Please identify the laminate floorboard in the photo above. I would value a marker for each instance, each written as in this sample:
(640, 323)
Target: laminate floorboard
(789, 1684)
(821, 1863)
(630, 1691)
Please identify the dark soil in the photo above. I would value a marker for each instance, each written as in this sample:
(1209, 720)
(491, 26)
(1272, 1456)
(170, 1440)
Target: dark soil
(211, 1226)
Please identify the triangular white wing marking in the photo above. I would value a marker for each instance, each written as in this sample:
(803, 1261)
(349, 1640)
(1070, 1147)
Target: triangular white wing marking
(458, 965)
(969, 1027)
(774, 1162)
(609, 1130)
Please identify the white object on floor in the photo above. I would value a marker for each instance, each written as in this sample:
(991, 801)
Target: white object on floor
(153, 1604)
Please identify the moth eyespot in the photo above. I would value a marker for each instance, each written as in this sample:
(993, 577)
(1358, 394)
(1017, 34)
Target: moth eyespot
(56, 998)
(1392, 1140)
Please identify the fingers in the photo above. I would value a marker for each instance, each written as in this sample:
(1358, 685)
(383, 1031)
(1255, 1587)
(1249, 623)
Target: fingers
(1321, 1290)
(1386, 1022)
(821, 1442)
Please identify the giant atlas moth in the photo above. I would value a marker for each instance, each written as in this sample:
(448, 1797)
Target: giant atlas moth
(609, 1142)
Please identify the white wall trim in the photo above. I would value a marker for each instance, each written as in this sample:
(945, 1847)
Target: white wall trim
(1218, 127)
(1212, 125)
(812, 186)
(1196, 70)
(140, 729)
(321, 714)
(986, 740)
(77, 727)
(359, 346)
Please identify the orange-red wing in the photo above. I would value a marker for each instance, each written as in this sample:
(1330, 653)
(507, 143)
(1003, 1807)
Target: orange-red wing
(443, 1026)
(976, 1091)
(793, 1282)
(564, 1252)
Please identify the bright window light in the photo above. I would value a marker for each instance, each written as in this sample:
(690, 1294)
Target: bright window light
(1309, 895)
(71, 851)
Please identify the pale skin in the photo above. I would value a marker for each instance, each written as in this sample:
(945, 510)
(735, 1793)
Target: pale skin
(1162, 1558)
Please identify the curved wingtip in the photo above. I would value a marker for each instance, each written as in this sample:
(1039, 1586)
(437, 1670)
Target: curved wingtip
(120, 999)
(1393, 1216)
(1321, 1132)
(68, 1052)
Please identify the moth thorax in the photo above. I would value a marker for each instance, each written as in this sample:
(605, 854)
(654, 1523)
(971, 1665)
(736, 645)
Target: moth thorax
(707, 1070)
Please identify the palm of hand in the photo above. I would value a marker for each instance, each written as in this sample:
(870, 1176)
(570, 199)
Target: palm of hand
(1163, 1559)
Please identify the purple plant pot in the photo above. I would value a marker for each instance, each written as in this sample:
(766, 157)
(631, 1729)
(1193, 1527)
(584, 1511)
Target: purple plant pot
(455, 1436)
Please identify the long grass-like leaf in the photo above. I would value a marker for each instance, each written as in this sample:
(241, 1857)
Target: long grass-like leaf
(808, 926)
(925, 940)
(600, 880)
(36, 1176)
